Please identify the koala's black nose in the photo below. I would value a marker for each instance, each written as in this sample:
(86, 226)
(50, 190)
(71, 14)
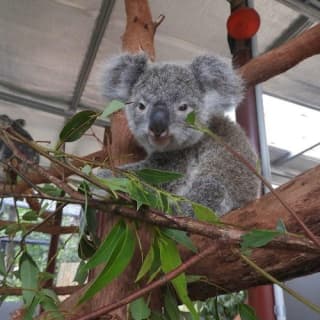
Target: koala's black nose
(159, 121)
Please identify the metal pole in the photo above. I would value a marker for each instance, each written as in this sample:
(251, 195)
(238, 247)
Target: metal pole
(260, 298)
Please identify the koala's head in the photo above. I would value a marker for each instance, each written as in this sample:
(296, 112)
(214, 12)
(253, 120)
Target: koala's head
(159, 97)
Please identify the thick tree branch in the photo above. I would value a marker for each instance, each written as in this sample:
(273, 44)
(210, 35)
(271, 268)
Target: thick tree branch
(283, 58)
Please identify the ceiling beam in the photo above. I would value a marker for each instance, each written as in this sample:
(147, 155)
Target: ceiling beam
(41, 106)
(298, 25)
(290, 156)
(310, 8)
(92, 50)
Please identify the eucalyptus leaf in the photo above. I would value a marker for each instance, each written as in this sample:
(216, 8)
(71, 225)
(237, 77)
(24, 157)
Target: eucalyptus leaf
(81, 273)
(191, 118)
(31, 309)
(77, 126)
(107, 247)
(170, 259)
(171, 306)
(246, 312)
(12, 229)
(139, 309)
(204, 213)
(155, 176)
(51, 190)
(49, 301)
(87, 247)
(180, 237)
(30, 216)
(258, 238)
(3, 270)
(146, 265)
(116, 184)
(112, 107)
(116, 265)
(29, 278)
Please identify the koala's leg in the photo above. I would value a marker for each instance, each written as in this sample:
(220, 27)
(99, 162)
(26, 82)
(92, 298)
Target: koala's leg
(210, 192)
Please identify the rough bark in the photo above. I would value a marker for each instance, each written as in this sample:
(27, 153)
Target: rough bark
(283, 58)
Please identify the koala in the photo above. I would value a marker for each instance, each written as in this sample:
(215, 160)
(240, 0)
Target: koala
(158, 98)
(6, 154)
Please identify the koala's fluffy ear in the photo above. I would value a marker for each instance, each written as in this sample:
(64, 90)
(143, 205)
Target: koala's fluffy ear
(222, 87)
(121, 73)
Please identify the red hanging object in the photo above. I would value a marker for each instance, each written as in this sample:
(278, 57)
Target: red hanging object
(243, 23)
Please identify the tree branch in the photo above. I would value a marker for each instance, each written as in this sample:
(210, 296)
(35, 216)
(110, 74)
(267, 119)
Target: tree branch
(282, 58)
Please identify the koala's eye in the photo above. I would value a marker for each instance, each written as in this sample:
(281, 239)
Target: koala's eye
(183, 107)
(141, 106)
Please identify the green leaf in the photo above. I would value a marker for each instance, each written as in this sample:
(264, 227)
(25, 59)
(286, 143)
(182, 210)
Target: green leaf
(191, 118)
(154, 176)
(116, 184)
(180, 237)
(29, 278)
(31, 309)
(12, 229)
(156, 264)
(49, 293)
(137, 193)
(147, 263)
(116, 265)
(108, 246)
(204, 213)
(246, 312)
(81, 274)
(112, 107)
(3, 270)
(51, 190)
(49, 301)
(87, 247)
(77, 126)
(170, 259)
(139, 310)
(258, 238)
(30, 216)
(171, 306)
(91, 220)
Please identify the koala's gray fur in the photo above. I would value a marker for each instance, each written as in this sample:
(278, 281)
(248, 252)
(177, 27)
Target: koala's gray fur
(159, 96)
